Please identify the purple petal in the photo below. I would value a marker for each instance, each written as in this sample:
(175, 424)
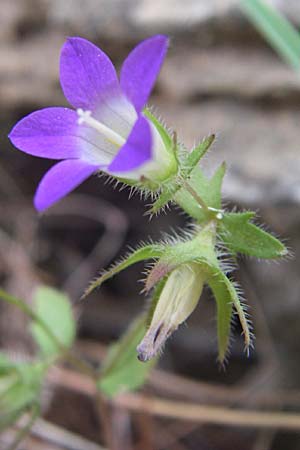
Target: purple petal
(60, 180)
(137, 149)
(48, 133)
(140, 69)
(87, 75)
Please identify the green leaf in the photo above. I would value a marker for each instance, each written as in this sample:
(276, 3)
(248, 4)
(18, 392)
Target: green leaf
(241, 236)
(54, 309)
(122, 370)
(20, 388)
(146, 252)
(208, 189)
(5, 365)
(275, 28)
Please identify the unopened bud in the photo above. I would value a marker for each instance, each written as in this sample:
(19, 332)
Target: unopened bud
(177, 301)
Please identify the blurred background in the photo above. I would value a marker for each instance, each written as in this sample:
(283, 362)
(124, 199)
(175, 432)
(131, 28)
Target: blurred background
(220, 76)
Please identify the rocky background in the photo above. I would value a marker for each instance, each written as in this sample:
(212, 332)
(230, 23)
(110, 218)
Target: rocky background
(220, 76)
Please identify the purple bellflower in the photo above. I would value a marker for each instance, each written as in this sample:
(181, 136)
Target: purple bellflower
(107, 131)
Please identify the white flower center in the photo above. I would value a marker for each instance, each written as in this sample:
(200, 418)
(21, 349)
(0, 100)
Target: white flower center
(113, 137)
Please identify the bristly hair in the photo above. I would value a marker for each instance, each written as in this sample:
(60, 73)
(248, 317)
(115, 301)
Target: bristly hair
(112, 268)
(169, 185)
(249, 336)
(287, 255)
(154, 110)
(121, 185)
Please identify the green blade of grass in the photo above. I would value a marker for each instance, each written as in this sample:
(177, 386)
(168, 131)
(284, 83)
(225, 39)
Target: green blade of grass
(275, 28)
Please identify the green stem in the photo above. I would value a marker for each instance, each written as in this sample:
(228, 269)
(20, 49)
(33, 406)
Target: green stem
(78, 363)
(73, 359)
(30, 313)
(35, 410)
(216, 213)
(194, 194)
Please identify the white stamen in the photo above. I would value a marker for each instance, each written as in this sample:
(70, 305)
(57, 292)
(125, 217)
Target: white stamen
(111, 136)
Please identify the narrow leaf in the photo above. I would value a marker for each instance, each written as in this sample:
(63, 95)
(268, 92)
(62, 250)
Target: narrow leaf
(54, 309)
(147, 252)
(241, 236)
(275, 28)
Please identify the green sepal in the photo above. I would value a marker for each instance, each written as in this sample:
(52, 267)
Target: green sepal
(147, 252)
(148, 185)
(192, 159)
(199, 249)
(189, 162)
(167, 139)
(227, 296)
(54, 309)
(224, 315)
(242, 236)
(165, 197)
(208, 189)
(122, 371)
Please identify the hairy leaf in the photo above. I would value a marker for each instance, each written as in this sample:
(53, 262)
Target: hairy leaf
(242, 236)
(146, 252)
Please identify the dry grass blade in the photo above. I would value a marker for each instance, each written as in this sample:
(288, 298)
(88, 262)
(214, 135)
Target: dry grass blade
(186, 411)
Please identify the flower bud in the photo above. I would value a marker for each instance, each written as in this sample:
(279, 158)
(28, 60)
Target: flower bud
(177, 301)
